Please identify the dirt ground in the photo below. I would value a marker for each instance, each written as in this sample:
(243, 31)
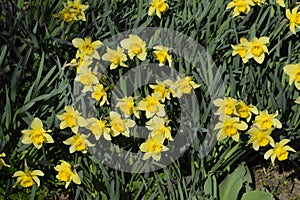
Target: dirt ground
(282, 182)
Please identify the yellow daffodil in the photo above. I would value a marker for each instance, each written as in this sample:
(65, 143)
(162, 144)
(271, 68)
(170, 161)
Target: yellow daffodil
(280, 2)
(37, 134)
(266, 121)
(240, 6)
(78, 8)
(153, 148)
(119, 125)
(71, 118)
(158, 128)
(67, 173)
(27, 178)
(68, 15)
(229, 127)
(165, 89)
(152, 106)
(99, 93)
(81, 60)
(241, 49)
(157, 6)
(259, 2)
(2, 163)
(280, 151)
(294, 18)
(116, 57)
(185, 85)
(162, 55)
(78, 142)
(87, 47)
(245, 111)
(260, 138)
(257, 49)
(293, 71)
(135, 46)
(127, 106)
(226, 106)
(297, 101)
(99, 128)
(87, 78)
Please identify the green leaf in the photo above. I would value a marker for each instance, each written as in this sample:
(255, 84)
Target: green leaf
(257, 194)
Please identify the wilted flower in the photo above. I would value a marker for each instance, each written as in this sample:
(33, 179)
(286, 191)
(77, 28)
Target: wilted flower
(37, 134)
(280, 151)
(67, 173)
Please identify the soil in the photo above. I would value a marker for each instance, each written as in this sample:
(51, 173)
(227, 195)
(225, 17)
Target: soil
(281, 180)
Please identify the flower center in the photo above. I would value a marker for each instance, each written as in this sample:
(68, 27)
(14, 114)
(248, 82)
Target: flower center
(37, 137)
(136, 49)
(27, 181)
(281, 154)
(229, 109)
(118, 126)
(257, 50)
(262, 140)
(230, 130)
(266, 124)
(241, 6)
(65, 175)
(297, 78)
(156, 148)
(70, 120)
(79, 144)
(243, 112)
(242, 51)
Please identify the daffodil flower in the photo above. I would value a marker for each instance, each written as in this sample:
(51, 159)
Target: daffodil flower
(78, 142)
(157, 6)
(280, 2)
(67, 173)
(99, 128)
(127, 106)
(165, 89)
(241, 49)
(294, 18)
(162, 55)
(229, 127)
(99, 93)
(257, 49)
(81, 60)
(185, 85)
(266, 121)
(27, 178)
(293, 71)
(87, 78)
(259, 2)
(71, 118)
(116, 57)
(226, 106)
(280, 151)
(158, 128)
(260, 138)
(245, 111)
(153, 148)
(152, 106)
(37, 134)
(135, 46)
(240, 6)
(87, 47)
(2, 163)
(119, 125)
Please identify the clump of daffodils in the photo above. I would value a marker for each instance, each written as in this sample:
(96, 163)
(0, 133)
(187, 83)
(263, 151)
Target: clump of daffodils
(236, 118)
